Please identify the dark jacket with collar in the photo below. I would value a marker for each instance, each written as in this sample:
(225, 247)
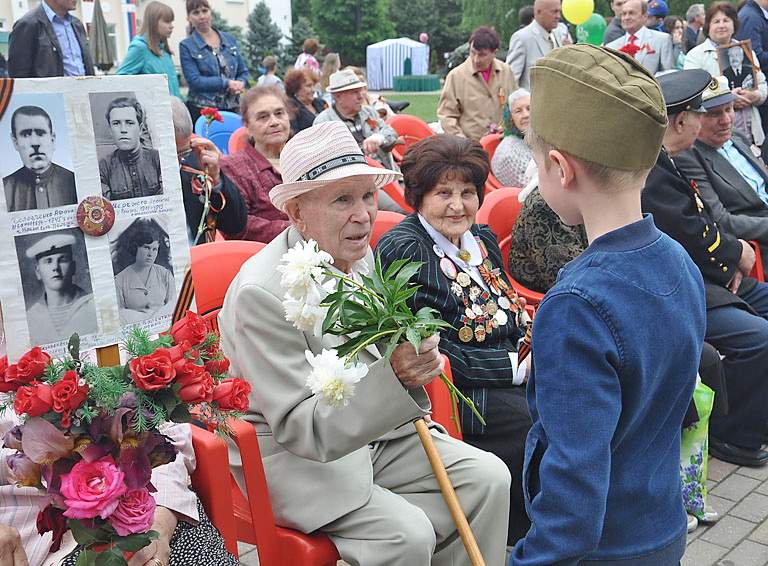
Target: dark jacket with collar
(34, 50)
(753, 25)
(669, 196)
(732, 201)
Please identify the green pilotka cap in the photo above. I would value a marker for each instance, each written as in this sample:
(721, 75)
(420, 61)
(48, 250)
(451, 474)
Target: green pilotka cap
(599, 105)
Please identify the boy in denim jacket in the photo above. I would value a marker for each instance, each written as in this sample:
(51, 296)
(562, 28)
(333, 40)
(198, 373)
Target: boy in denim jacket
(617, 340)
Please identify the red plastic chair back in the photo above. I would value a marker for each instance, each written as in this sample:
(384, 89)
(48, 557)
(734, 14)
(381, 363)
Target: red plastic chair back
(490, 142)
(443, 406)
(500, 210)
(393, 189)
(238, 140)
(533, 298)
(757, 269)
(410, 129)
(385, 221)
(214, 266)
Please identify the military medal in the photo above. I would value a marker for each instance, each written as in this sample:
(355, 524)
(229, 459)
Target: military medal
(438, 251)
(465, 334)
(504, 302)
(501, 318)
(474, 292)
(449, 269)
(95, 216)
(470, 313)
(480, 334)
(463, 279)
(456, 289)
(478, 310)
(464, 255)
(491, 307)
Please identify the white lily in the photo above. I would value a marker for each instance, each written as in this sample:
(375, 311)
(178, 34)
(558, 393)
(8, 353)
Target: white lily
(332, 378)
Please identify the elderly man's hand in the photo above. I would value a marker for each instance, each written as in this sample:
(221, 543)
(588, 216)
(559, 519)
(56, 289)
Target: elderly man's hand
(208, 155)
(415, 370)
(372, 143)
(747, 260)
(11, 551)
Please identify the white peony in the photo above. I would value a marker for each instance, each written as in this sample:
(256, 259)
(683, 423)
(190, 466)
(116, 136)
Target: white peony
(305, 312)
(302, 268)
(332, 378)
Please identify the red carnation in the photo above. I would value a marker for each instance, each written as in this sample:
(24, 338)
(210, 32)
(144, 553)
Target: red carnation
(630, 49)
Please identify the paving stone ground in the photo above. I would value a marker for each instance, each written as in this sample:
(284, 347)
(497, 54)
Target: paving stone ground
(739, 538)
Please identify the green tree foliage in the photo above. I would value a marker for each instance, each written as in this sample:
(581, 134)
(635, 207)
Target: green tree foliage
(349, 26)
(440, 19)
(262, 39)
(499, 14)
(300, 31)
(300, 8)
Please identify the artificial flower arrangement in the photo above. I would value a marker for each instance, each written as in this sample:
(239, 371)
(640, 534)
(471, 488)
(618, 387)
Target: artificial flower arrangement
(90, 436)
(368, 309)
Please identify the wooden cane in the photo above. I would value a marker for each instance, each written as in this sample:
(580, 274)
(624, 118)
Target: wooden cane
(449, 494)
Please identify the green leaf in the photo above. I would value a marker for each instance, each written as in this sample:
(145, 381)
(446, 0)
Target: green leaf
(112, 557)
(73, 347)
(85, 536)
(134, 543)
(408, 271)
(86, 558)
(413, 336)
(392, 344)
(181, 414)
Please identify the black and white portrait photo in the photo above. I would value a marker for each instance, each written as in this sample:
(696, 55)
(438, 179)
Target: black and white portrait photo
(737, 65)
(129, 165)
(36, 154)
(141, 261)
(57, 286)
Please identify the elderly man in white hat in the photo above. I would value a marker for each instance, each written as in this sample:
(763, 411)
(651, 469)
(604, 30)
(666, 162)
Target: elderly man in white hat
(63, 307)
(371, 133)
(358, 472)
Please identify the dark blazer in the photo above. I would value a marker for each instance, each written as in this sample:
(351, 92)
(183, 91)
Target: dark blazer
(671, 198)
(232, 216)
(753, 25)
(34, 50)
(474, 365)
(733, 203)
(303, 118)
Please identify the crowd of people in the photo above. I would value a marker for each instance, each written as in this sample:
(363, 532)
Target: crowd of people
(643, 180)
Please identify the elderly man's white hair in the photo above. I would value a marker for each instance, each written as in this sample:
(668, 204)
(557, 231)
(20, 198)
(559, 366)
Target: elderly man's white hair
(182, 121)
(694, 10)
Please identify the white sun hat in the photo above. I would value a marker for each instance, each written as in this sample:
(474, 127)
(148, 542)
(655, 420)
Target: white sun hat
(346, 79)
(319, 156)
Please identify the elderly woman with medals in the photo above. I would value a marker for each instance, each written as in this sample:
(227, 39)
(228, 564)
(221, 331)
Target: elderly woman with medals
(462, 278)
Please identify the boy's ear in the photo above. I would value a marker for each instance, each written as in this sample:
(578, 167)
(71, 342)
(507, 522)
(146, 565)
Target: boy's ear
(565, 167)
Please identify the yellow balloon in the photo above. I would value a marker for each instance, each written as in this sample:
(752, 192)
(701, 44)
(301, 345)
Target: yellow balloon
(578, 11)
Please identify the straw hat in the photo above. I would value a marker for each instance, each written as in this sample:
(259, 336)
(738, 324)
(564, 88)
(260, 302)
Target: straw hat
(346, 79)
(319, 156)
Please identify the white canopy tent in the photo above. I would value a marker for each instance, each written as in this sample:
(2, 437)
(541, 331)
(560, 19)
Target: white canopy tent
(385, 60)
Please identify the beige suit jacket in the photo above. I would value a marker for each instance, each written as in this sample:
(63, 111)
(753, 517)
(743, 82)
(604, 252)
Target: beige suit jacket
(468, 105)
(316, 457)
(529, 44)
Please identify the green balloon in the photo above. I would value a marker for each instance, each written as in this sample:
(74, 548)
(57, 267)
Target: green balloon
(592, 31)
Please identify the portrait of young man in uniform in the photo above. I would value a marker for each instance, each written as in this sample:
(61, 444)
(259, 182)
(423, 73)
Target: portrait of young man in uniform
(39, 182)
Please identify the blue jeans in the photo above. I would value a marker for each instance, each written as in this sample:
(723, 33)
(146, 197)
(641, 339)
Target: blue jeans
(742, 337)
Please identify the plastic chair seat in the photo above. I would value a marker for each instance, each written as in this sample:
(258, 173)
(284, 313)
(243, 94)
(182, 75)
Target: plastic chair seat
(238, 140)
(411, 129)
(220, 132)
(393, 189)
(385, 221)
(500, 210)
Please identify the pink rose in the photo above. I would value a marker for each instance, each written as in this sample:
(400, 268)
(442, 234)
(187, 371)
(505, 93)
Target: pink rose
(134, 513)
(92, 488)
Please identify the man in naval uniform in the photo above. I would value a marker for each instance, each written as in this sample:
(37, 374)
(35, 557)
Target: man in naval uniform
(63, 308)
(39, 183)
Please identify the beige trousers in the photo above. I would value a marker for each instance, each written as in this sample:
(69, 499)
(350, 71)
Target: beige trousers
(406, 521)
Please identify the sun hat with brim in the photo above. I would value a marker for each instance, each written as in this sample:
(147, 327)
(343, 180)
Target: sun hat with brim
(717, 93)
(320, 156)
(346, 79)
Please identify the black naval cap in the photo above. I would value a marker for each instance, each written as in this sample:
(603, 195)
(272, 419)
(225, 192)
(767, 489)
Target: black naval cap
(682, 90)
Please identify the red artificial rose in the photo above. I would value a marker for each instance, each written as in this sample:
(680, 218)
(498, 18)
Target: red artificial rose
(68, 395)
(6, 384)
(191, 328)
(177, 352)
(196, 384)
(30, 367)
(217, 366)
(232, 394)
(152, 372)
(52, 519)
(33, 400)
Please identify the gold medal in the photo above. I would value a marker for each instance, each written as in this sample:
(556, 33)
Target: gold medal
(464, 255)
(479, 334)
(491, 307)
(487, 264)
(463, 279)
(465, 334)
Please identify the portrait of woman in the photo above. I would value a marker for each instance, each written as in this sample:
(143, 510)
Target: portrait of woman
(144, 281)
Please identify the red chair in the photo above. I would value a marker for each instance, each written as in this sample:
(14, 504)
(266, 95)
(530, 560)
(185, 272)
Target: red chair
(385, 220)
(757, 269)
(410, 129)
(238, 140)
(393, 189)
(533, 298)
(249, 519)
(490, 142)
(500, 210)
(443, 406)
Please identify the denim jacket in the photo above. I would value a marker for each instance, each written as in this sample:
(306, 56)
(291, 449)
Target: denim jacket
(206, 78)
